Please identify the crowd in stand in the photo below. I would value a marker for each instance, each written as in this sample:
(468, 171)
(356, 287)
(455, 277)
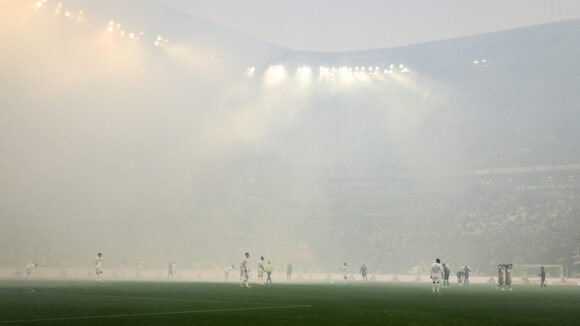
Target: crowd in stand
(521, 225)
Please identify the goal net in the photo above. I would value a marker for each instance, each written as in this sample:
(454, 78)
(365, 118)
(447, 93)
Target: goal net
(530, 273)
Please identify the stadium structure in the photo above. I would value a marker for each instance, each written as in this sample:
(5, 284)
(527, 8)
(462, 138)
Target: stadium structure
(480, 134)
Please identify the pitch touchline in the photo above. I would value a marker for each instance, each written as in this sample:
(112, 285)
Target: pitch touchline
(152, 314)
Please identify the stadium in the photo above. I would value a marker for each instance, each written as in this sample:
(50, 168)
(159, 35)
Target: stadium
(135, 130)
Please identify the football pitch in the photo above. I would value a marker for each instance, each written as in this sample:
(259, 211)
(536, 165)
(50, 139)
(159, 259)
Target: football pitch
(174, 303)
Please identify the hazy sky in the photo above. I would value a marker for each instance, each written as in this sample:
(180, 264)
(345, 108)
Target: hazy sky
(339, 25)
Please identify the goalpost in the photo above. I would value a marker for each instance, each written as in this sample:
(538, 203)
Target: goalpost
(529, 273)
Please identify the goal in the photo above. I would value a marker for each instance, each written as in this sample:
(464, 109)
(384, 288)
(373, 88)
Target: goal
(529, 273)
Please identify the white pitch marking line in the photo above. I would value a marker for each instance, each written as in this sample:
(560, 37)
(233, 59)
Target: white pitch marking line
(151, 314)
(143, 298)
(133, 297)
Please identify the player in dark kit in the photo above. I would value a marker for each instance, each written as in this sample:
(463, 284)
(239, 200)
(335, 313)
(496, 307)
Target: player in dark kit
(289, 272)
(508, 276)
(363, 272)
(466, 271)
(460, 275)
(500, 276)
(446, 273)
(542, 276)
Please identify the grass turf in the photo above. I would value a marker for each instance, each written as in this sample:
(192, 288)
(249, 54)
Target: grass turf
(172, 303)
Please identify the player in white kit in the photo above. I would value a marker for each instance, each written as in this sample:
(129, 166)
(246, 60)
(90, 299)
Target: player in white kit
(29, 268)
(99, 267)
(227, 271)
(244, 267)
(436, 275)
(261, 270)
(345, 272)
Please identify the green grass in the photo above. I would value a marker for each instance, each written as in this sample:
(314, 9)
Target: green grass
(283, 304)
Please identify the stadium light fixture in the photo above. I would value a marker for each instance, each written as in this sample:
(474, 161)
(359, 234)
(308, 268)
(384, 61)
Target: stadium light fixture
(160, 41)
(274, 74)
(304, 73)
(250, 71)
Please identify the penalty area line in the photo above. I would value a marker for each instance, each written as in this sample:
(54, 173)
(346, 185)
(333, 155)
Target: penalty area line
(151, 314)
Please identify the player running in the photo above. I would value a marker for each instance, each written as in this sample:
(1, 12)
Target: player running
(261, 270)
(363, 272)
(244, 267)
(436, 275)
(99, 267)
(269, 269)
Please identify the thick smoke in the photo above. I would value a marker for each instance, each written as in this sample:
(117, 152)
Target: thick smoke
(150, 154)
